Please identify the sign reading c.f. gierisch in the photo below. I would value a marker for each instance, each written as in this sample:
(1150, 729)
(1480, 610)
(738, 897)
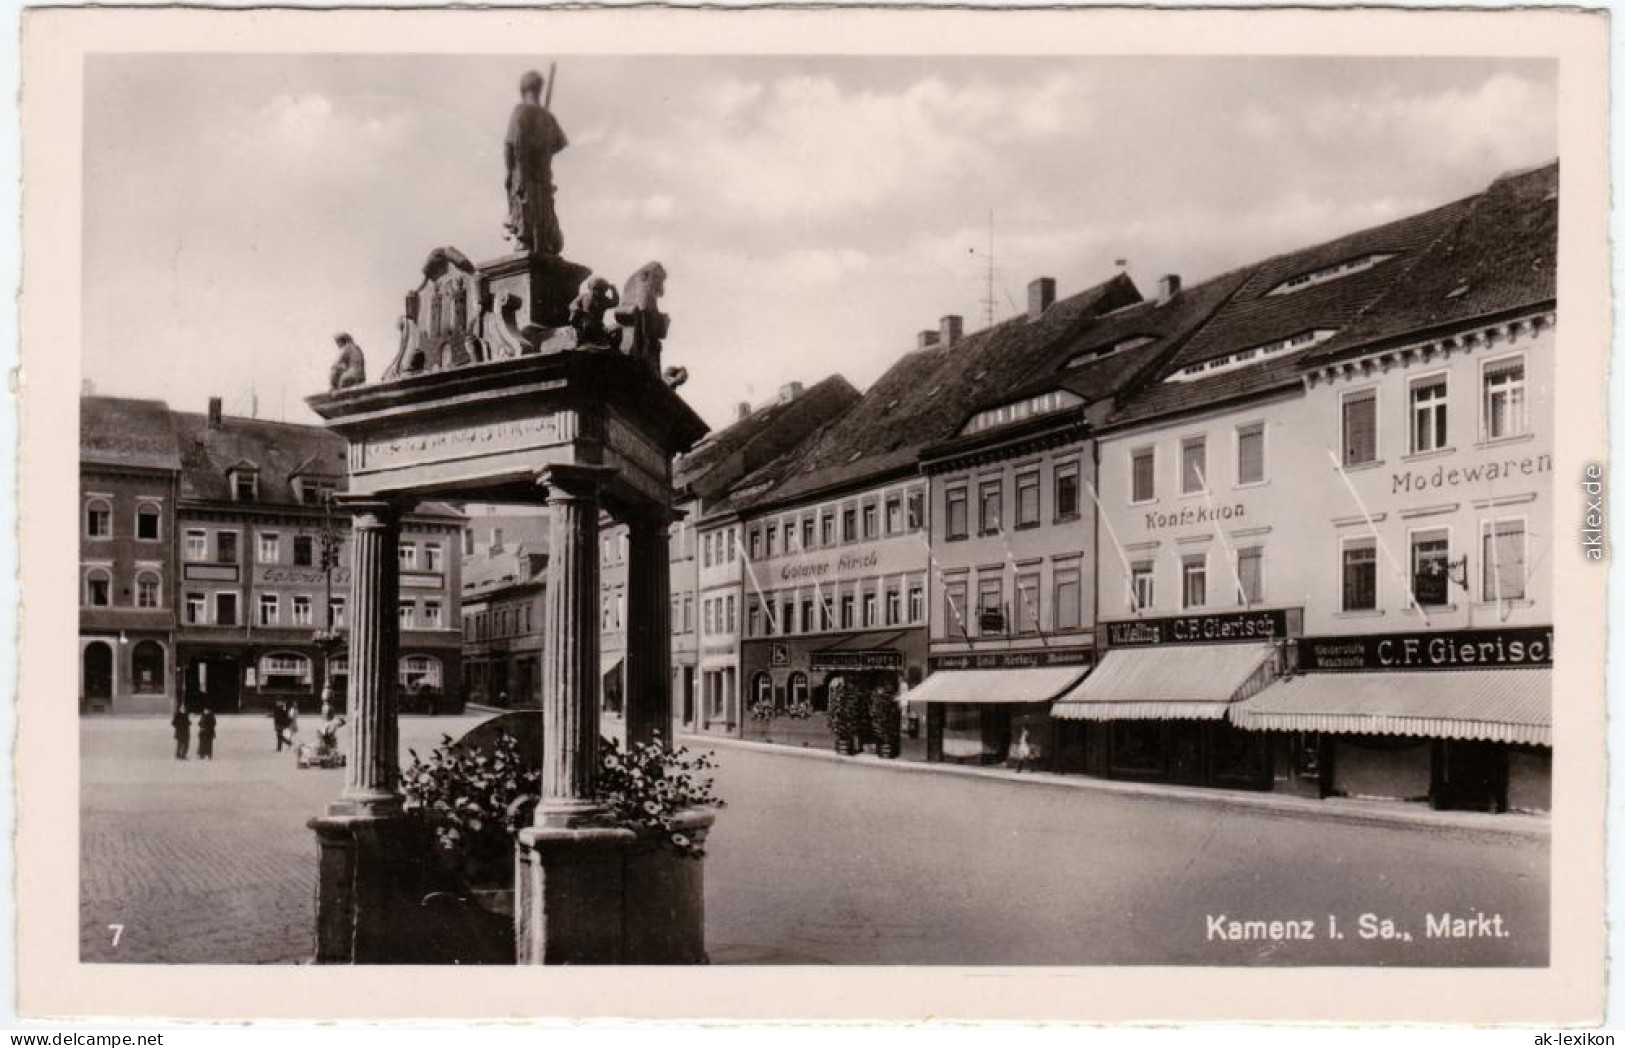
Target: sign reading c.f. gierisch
(1441, 650)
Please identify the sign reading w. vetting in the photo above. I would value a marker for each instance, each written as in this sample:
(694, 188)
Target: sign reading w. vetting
(1265, 624)
(1440, 650)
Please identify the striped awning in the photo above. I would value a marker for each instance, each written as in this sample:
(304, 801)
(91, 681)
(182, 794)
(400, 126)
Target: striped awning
(1027, 684)
(1513, 706)
(1187, 682)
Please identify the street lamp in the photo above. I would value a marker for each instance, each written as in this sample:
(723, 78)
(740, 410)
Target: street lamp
(328, 639)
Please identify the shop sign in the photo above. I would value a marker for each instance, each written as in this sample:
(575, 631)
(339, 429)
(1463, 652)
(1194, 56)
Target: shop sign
(1413, 481)
(1441, 650)
(420, 580)
(885, 557)
(1193, 515)
(211, 573)
(875, 659)
(1202, 629)
(1002, 660)
(781, 655)
(300, 577)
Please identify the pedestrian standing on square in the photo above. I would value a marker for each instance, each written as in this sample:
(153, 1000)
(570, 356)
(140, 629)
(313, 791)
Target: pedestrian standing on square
(279, 723)
(1023, 751)
(291, 721)
(205, 735)
(183, 732)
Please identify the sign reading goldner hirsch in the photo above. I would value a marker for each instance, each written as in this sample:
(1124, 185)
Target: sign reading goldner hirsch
(1448, 650)
(1202, 629)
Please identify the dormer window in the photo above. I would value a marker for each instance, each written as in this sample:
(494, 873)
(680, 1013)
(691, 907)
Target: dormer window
(1101, 352)
(245, 483)
(1313, 277)
(1243, 357)
(1020, 410)
(313, 491)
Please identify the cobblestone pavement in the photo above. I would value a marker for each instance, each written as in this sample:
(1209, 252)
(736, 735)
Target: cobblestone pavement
(817, 862)
(203, 861)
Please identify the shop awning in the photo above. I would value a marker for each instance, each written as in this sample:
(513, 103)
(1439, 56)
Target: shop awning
(1512, 706)
(1027, 684)
(1183, 682)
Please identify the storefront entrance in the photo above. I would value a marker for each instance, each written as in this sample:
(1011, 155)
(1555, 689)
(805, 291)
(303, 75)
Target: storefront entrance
(1186, 753)
(1469, 776)
(98, 676)
(215, 682)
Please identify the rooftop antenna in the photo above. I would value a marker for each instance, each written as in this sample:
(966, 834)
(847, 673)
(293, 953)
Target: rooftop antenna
(989, 303)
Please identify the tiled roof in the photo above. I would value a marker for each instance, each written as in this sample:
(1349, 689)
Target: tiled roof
(119, 431)
(1254, 317)
(925, 396)
(763, 436)
(1502, 256)
(486, 572)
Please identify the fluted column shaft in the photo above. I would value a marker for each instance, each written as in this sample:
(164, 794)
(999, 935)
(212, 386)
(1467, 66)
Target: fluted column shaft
(648, 628)
(570, 648)
(372, 776)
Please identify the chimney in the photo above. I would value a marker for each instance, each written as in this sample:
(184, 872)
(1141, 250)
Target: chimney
(927, 339)
(744, 410)
(1167, 288)
(214, 412)
(953, 327)
(790, 391)
(1040, 296)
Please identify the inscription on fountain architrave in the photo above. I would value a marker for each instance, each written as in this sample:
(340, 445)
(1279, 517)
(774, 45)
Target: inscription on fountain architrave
(445, 443)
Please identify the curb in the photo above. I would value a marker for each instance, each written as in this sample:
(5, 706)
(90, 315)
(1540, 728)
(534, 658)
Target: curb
(1374, 813)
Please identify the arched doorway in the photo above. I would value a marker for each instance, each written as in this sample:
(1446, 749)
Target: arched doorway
(147, 667)
(98, 675)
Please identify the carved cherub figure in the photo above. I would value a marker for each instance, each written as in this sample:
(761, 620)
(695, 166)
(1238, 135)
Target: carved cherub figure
(350, 369)
(597, 297)
(643, 326)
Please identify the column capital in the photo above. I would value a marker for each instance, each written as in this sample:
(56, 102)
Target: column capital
(570, 482)
(650, 515)
(382, 509)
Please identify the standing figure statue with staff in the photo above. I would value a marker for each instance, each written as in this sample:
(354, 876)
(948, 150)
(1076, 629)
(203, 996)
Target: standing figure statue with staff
(533, 137)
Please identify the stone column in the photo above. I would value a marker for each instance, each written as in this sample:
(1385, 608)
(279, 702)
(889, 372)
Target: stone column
(648, 628)
(372, 776)
(570, 648)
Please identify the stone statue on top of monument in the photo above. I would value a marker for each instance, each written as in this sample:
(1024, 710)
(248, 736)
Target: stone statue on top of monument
(534, 136)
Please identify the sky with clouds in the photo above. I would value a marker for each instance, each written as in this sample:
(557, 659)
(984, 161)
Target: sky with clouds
(813, 213)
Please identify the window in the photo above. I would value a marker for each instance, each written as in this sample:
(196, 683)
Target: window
(772, 540)
(225, 609)
(245, 485)
(431, 556)
(916, 603)
(431, 614)
(826, 530)
(754, 619)
(98, 519)
(270, 547)
(1250, 454)
(269, 612)
(301, 611)
(1504, 411)
(798, 689)
(1144, 470)
(848, 606)
(408, 553)
(1068, 613)
(990, 605)
(807, 623)
(1066, 492)
(762, 688)
(146, 523)
(1193, 579)
(1143, 584)
(1027, 602)
(849, 524)
(958, 513)
(406, 610)
(894, 606)
(871, 520)
(990, 497)
(1250, 574)
(1430, 566)
(197, 609)
(1027, 500)
(98, 588)
(146, 590)
(1504, 577)
(420, 671)
(284, 670)
(916, 510)
(808, 533)
(335, 608)
(871, 608)
(1428, 402)
(730, 623)
(956, 608)
(755, 544)
(468, 543)
(705, 546)
(1360, 575)
(732, 542)
(1193, 465)
(197, 544)
(894, 515)
(688, 615)
(225, 547)
(1360, 428)
(303, 551)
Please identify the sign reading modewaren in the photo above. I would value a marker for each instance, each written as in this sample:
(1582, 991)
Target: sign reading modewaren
(1203, 629)
(1001, 660)
(1445, 650)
